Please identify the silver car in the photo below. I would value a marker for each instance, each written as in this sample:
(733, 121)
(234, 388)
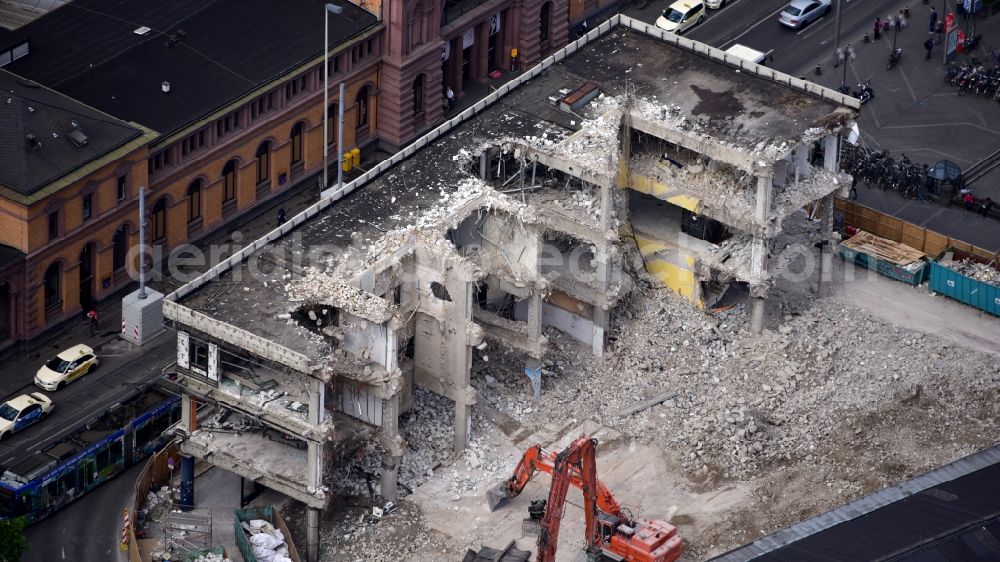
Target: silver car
(799, 13)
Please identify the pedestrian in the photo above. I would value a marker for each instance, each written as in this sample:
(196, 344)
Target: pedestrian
(969, 200)
(929, 45)
(92, 317)
(934, 18)
(878, 27)
(451, 98)
(900, 21)
(986, 207)
(281, 216)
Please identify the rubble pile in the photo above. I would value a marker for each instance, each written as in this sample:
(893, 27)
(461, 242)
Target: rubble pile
(158, 504)
(976, 270)
(356, 536)
(742, 404)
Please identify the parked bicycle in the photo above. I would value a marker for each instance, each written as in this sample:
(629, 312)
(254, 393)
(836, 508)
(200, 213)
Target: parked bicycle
(879, 170)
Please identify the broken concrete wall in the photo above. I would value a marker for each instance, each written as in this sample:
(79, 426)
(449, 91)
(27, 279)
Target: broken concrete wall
(569, 315)
(365, 339)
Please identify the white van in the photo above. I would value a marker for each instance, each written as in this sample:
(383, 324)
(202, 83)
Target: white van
(752, 55)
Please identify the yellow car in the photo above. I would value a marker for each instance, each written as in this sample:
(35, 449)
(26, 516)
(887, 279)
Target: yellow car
(22, 411)
(681, 16)
(66, 367)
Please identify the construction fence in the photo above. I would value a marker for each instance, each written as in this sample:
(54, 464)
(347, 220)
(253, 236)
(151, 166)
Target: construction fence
(895, 229)
(156, 472)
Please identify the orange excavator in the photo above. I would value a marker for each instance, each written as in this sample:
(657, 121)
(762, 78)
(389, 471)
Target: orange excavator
(611, 533)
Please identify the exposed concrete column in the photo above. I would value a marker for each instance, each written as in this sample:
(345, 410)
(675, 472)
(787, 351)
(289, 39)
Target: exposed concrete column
(312, 535)
(314, 479)
(825, 249)
(314, 467)
(831, 153)
(393, 451)
(602, 316)
(756, 315)
(758, 256)
(831, 162)
(460, 359)
(316, 395)
(187, 414)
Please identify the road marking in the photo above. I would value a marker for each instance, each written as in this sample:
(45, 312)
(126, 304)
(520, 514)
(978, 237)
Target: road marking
(729, 43)
(913, 94)
(63, 552)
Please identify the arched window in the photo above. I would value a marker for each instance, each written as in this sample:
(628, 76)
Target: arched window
(543, 21)
(194, 200)
(53, 293)
(263, 162)
(159, 222)
(418, 95)
(229, 181)
(362, 101)
(119, 243)
(296, 144)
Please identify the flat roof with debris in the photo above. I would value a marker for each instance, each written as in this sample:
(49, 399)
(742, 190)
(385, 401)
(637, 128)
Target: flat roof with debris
(701, 94)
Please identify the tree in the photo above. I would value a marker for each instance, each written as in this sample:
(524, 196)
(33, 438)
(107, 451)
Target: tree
(12, 541)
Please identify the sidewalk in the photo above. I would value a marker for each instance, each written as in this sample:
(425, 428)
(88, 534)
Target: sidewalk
(915, 112)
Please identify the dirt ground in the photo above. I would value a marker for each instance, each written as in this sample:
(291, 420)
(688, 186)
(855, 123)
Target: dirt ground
(832, 403)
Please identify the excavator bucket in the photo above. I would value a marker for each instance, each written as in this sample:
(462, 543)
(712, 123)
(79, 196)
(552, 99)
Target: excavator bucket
(496, 496)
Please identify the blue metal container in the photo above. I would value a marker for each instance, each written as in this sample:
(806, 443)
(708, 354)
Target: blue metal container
(965, 289)
(889, 269)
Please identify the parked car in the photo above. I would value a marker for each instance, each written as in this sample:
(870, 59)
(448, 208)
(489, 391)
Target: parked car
(681, 16)
(799, 13)
(716, 4)
(22, 411)
(66, 367)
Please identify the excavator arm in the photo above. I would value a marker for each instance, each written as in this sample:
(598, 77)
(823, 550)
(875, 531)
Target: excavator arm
(536, 458)
(579, 457)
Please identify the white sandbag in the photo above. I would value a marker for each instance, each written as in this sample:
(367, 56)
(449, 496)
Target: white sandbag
(265, 541)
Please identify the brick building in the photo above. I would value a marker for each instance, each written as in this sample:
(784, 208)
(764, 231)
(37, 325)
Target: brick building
(68, 174)
(227, 100)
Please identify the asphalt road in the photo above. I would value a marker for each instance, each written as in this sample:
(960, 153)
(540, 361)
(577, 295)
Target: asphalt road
(120, 372)
(755, 24)
(85, 530)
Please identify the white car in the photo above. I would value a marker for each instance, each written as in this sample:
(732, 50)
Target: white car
(681, 16)
(66, 367)
(22, 411)
(800, 13)
(715, 4)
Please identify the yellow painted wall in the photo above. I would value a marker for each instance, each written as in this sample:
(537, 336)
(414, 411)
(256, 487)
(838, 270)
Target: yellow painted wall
(678, 278)
(658, 189)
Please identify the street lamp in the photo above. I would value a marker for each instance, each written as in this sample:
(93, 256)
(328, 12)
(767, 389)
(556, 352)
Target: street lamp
(335, 10)
(844, 57)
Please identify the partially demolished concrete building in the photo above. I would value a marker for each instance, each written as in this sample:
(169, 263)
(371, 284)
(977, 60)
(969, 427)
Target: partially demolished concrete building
(513, 217)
